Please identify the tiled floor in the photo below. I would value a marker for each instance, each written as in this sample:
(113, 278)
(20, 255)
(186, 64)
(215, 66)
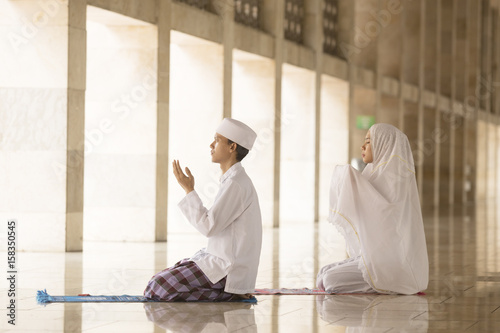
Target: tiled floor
(463, 294)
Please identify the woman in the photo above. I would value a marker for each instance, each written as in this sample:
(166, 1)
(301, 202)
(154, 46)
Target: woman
(378, 212)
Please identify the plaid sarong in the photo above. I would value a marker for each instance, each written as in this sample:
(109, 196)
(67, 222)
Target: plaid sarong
(185, 281)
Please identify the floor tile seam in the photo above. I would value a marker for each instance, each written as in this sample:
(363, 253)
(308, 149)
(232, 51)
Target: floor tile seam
(446, 300)
(414, 317)
(469, 287)
(243, 329)
(34, 307)
(284, 314)
(100, 326)
(475, 323)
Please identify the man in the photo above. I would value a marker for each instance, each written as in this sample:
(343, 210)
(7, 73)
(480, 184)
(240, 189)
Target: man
(227, 269)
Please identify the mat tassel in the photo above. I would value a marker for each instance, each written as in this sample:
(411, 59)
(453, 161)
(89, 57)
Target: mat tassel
(42, 297)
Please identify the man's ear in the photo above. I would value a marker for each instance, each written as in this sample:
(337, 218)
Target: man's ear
(234, 146)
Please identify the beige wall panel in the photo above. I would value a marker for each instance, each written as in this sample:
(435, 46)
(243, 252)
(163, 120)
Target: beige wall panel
(426, 154)
(389, 110)
(446, 47)
(430, 65)
(362, 104)
(411, 42)
(389, 42)
(144, 10)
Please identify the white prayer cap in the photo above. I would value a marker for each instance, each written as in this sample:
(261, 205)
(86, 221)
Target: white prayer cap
(238, 132)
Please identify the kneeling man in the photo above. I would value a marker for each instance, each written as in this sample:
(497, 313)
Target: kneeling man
(227, 269)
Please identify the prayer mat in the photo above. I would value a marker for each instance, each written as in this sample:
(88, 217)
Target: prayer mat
(307, 291)
(286, 291)
(43, 298)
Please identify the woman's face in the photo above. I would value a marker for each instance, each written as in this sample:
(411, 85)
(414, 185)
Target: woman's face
(366, 149)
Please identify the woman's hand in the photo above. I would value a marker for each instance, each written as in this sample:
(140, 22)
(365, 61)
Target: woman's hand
(187, 182)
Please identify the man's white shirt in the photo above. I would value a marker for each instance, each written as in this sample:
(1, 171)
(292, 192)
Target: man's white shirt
(233, 226)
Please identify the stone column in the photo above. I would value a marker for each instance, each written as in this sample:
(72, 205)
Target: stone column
(313, 38)
(411, 104)
(225, 9)
(450, 116)
(482, 117)
(446, 73)
(495, 99)
(163, 115)
(42, 88)
(428, 89)
(421, 90)
(367, 28)
(438, 135)
(76, 122)
(471, 98)
(485, 62)
(388, 92)
(272, 23)
(362, 57)
(485, 90)
(459, 82)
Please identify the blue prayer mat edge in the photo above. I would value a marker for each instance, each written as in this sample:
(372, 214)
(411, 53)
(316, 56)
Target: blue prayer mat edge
(43, 298)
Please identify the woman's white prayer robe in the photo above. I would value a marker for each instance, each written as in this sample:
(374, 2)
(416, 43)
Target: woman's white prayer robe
(378, 212)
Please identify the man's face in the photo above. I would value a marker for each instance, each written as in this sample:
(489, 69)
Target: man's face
(221, 149)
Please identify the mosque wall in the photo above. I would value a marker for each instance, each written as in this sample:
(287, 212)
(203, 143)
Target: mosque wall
(428, 67)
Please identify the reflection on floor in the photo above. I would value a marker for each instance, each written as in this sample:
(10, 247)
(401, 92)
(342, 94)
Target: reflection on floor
(463, 295)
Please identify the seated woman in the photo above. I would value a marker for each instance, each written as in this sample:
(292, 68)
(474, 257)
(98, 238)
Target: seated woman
(378, 212)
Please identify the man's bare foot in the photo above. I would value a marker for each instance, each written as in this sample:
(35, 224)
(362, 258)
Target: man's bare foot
(245, 296)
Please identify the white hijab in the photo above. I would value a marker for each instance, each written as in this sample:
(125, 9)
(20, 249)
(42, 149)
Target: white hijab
(379, 214)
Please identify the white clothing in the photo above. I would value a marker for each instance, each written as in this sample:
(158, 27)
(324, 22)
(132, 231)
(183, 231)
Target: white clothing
(379, 214)
(234, 229)
(343, 277)
(238, 132)
(368, 313)
(216, 316)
